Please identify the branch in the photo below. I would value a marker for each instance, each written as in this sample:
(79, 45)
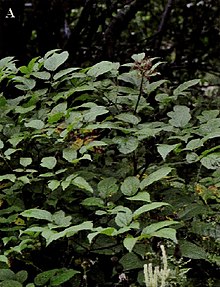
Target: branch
(163, 24)
(119, 22)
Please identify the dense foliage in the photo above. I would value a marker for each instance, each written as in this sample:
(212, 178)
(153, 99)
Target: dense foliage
(99, 167)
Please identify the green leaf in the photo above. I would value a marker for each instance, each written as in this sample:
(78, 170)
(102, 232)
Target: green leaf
(155, 176)
(48, 162)
(65, 72)
(56, 60)
(193, 251)
(6, 274)
(53, 184)
(151, 87)
(107, 187)
(128, 118)
(35, 124)
(42, 278)
(37, 213)
(41, 75)
(22, 276)
(156, 226)
(94, 112)
(194, 144)
(26, 84)
(63, 276)
(168, 233)
(165, 149)
(148, 207)
(102, 68)
(60, 219)
(10, 283)
(131, 261)
(211, 161)
(140, 196)
(180, 116)
(130, 185)
(69, 154)
(138, 57)
(86, 225)
(129, 242)
(126, 145)
(82, 183)
(1, 144)
(93, 201)
(25, 161)
(10, 177)
(182, 87)
(124, 218)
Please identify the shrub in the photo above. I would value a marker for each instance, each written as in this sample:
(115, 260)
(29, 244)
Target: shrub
(99, 167)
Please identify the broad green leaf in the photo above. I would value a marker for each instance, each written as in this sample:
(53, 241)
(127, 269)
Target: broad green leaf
(48, 162)
(93, 201)
(102, 68)
(107, 187)
(4, 259)
(42, 278)
(192, 157)
(1, 144)
(22, 276)
(82, 183)
(194, 144)
(140, 196)
(25, 161)
(156, 226)
(138, 57)
(155, 176)
(26, 84)
(6, 274)
(180, 116)
(151, 87)
(43, 75)
(10, 177)
(128, 118)
(165, 149)
(211, 161)
(124, 218)
(60, 108)
(99, 230)
(131, 261)
(69, 154)
(86, 225)
(193, 251)
(60, 219)
(168, 233)
(37, 213)
(53, 184)
(148, 207)
(10, 283)
(35, 124)
(62, 276)
(130, 185)
(91, 115)
(126, 145)
(65, 72)
(129, 242)
(56, 60)
(22, 110)
(208, 115)
(183, 87)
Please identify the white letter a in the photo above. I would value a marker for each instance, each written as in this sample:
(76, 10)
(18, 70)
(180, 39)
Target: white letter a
(10, 14)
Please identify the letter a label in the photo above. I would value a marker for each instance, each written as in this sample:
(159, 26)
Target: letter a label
(10, 14)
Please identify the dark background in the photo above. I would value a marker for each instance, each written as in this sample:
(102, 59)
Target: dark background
(186, 34)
